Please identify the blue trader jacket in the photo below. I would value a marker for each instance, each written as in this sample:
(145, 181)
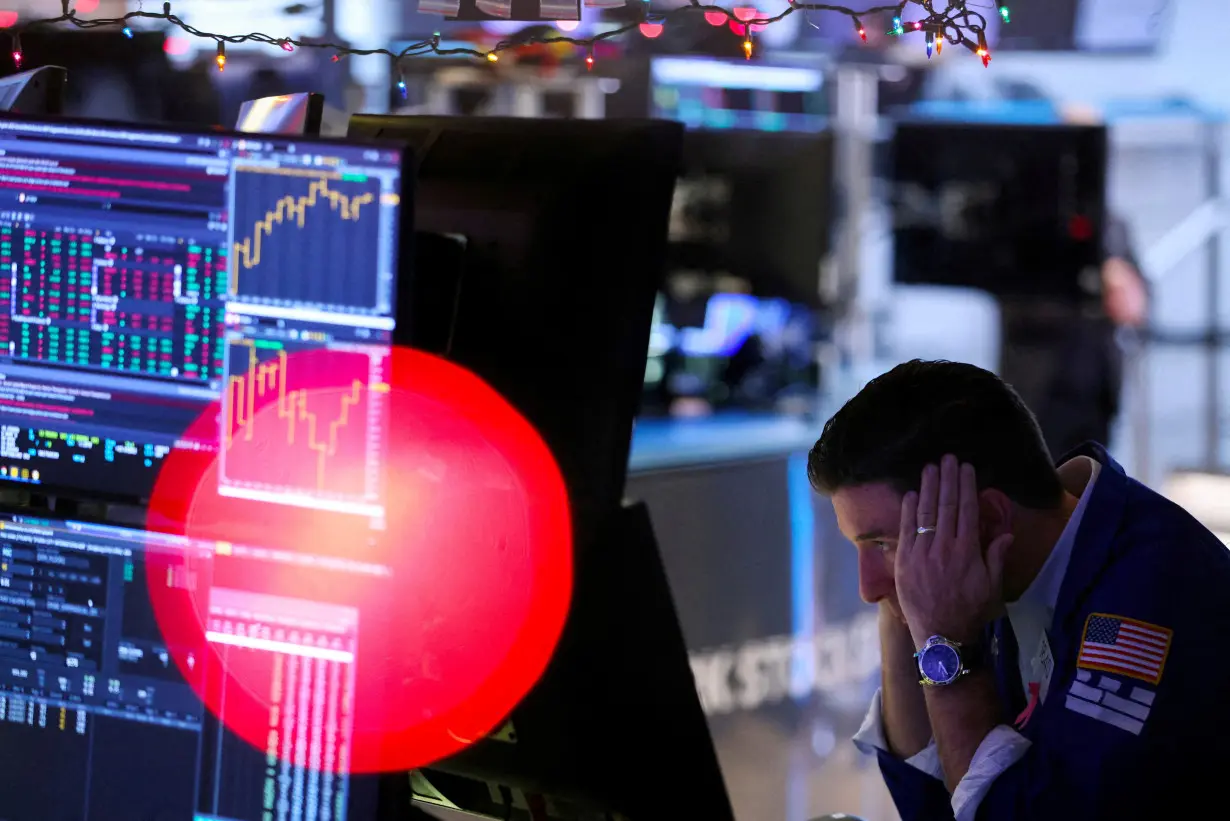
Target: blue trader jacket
(1137, 715)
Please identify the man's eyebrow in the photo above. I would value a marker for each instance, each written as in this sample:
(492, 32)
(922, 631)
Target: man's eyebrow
(873, 535)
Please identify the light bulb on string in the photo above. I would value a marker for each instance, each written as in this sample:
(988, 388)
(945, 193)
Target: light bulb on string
(401, 84)
(933, 25)
(589, 60)
(858, 28)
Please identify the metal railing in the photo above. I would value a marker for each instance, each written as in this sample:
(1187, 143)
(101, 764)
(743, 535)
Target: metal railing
(1205, 228)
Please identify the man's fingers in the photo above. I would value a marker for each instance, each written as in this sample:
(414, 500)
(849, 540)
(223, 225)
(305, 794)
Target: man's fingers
(968, 530)
(909, 525)
(928, 501)
(948, 497)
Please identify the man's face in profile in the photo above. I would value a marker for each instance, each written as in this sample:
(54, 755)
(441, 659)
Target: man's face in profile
(870, 517)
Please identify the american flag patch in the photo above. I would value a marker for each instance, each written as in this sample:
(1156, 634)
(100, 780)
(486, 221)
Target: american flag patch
(1125, 647)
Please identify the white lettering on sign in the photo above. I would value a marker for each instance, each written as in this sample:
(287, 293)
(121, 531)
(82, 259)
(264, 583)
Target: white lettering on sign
(766, 671)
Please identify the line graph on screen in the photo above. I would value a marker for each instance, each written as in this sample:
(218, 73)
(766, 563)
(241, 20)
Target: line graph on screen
(303, 420)
(305, 236)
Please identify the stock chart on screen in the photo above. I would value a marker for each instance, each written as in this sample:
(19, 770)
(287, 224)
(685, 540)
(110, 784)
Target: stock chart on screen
(296, 229)
(305, 421)
(134, 264)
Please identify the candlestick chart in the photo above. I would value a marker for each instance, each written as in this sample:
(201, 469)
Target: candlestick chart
(303, 420)
(299, 232)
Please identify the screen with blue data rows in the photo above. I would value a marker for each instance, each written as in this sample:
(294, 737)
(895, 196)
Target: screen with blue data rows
(92, 692)
(130, 260)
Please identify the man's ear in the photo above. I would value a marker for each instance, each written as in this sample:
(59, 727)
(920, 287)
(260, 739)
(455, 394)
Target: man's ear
(994, 515)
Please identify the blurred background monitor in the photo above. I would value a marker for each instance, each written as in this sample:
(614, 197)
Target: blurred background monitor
(755, 205)
(747, 353)
(1008, 209)
(38, 91)
(1106, 26)
(282, 114)
(718, 94)
(1091, 26)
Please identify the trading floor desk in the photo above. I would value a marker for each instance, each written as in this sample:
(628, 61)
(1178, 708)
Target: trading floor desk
(785, 655)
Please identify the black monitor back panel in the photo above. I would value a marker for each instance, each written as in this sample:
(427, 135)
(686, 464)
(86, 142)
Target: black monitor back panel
(1012, 210)
(757, 205)
(564, 225)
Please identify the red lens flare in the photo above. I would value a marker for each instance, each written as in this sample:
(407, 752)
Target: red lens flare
(404, 644)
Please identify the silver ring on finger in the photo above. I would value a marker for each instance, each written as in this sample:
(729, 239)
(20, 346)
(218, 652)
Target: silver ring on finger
(924, 529)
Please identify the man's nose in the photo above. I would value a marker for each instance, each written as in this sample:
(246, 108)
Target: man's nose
(875, 577)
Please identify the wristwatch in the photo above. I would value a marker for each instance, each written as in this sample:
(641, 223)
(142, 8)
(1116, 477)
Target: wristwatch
(942, 661)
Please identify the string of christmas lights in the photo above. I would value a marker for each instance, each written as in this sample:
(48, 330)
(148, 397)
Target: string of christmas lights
(956, 23)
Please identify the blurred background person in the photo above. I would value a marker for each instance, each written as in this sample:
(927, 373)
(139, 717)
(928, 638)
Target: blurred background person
(1065, 360)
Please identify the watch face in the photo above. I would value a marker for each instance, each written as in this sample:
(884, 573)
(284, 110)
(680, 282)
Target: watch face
(940, 663)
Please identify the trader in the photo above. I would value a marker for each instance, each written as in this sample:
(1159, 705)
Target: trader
(1064, 358)
(1051, 637)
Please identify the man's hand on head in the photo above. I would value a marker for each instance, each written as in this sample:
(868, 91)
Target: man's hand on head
(947, 585)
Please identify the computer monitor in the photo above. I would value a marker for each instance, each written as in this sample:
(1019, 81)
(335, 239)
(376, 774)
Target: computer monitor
(289, 114)
(756, 205)
(101, 721)
(146, 269)
(1092, 26)
(1012, 210)
(565, 226)
(556, 300)
(37, 91)
(721, 94)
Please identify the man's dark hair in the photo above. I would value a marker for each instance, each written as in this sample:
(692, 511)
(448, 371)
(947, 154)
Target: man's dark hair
(917, 412)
